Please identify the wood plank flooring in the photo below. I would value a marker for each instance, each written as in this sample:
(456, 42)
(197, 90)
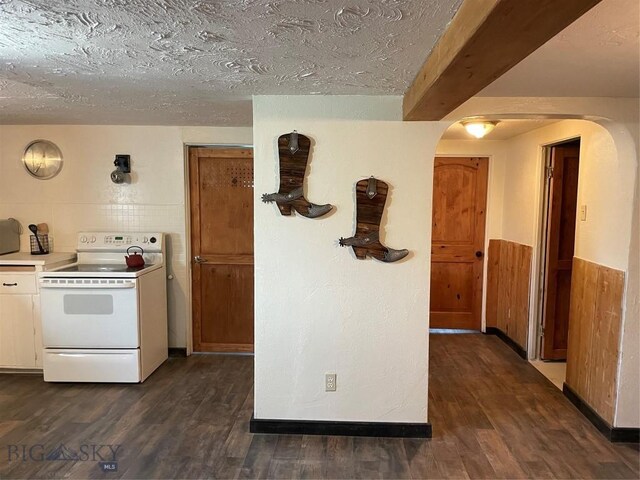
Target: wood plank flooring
(493, 415)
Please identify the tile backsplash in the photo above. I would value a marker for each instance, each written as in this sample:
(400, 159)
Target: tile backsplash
(82, 196)
(66, 220)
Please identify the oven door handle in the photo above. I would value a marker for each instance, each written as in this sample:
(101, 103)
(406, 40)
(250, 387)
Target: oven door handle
(85, 354)
(100, 286)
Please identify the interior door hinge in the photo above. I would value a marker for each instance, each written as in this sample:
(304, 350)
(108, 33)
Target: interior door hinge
(549, 172)
(541, 331)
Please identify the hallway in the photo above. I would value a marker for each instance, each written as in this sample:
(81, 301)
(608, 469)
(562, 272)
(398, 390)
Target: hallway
(493, 416)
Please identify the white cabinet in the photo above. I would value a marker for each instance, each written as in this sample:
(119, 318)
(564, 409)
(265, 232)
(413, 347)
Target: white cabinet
(20, 338)
(17, 331)
(20, 326)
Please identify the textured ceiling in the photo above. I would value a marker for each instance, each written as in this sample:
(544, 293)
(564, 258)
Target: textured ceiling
(596, 56)
(197, 62)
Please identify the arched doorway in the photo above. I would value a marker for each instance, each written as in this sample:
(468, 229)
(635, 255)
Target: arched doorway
(515, 212)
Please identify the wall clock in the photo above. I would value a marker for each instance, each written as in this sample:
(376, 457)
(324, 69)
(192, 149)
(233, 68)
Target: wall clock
(42, 159)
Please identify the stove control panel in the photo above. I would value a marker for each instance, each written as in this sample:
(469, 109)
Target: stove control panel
(149, 241)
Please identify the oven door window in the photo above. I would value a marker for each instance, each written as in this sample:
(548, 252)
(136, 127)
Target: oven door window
(91, 304)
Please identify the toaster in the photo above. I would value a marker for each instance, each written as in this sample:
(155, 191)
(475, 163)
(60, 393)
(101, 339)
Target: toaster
(9, 236)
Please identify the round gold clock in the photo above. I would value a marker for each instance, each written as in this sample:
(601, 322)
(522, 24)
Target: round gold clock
(42, 159)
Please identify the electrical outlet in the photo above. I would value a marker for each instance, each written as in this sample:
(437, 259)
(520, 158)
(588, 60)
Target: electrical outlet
(330, 382)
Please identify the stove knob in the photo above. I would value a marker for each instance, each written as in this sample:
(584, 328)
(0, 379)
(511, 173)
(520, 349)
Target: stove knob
(145, 240)
(153, 240)
(83, 239)
(93, 239)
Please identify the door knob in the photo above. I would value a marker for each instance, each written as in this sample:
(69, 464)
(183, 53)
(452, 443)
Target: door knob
(479, 254)
(199, 259)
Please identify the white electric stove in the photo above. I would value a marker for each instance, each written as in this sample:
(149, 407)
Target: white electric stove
(101, 320)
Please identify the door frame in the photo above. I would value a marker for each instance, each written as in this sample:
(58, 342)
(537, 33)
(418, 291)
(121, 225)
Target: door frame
(187, 215)
(488, 211)
(536, 300)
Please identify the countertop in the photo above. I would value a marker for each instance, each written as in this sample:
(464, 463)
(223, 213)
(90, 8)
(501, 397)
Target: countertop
(25, 258)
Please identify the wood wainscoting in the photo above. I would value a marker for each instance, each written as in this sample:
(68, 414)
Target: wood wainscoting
(594, 335)
(508, 281)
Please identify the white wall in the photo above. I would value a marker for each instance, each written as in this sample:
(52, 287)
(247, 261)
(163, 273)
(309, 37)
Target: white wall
(606, 187)
(496, 151)
(82, 197)
(317, 308)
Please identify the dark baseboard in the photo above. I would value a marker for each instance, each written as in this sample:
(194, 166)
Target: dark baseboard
(597, 421)
(613, 434)
(503, 336)
(177, 352)
(353, 429)
(625, 435)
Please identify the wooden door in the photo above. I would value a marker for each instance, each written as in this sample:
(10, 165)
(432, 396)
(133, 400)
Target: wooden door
(561, 234)
(457, 243)
(221, 195)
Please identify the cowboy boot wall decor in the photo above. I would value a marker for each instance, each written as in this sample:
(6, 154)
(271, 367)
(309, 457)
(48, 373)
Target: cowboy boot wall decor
(371, 195)
(293, 150)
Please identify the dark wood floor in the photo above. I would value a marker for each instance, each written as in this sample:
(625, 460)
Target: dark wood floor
(493, 415)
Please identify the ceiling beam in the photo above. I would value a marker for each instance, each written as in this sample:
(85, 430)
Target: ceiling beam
(484, 40)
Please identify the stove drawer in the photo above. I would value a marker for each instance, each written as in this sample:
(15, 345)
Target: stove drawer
(84, 365)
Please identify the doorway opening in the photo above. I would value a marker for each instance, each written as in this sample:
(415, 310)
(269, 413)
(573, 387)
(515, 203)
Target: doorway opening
(558, 231)
(221, 243)
(535, 278)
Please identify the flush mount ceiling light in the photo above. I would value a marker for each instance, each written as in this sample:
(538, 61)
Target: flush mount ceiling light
(479, 128)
